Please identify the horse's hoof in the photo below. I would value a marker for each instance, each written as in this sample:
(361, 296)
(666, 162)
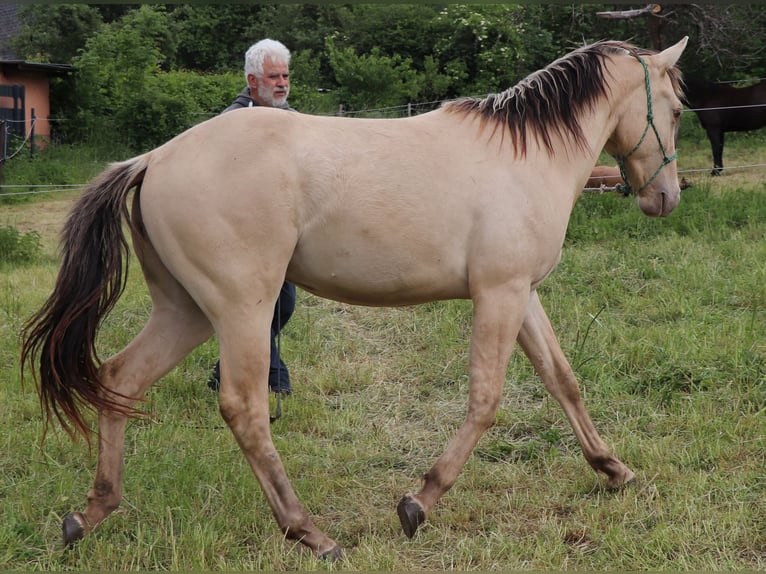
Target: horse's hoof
(333, 554)
(618, 483)
(74, 529)
(411, 515)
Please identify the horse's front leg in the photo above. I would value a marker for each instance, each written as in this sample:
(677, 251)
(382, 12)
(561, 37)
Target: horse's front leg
(541, 346)
(497, 316)
(244, 404)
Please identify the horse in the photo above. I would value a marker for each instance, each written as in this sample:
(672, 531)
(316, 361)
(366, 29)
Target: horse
(603, 176)
(468, 201)
(723, 108)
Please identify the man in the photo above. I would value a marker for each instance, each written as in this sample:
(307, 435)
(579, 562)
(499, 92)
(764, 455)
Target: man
(267, 71)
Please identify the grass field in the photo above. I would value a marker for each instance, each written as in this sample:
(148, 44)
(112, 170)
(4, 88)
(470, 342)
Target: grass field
(663, 321)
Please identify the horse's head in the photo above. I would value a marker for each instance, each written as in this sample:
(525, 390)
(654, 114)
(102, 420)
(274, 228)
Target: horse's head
(648, 118)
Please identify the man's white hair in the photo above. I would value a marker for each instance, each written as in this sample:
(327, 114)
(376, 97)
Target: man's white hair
(258, 52)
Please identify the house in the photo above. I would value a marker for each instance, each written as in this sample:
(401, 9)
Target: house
(24, 86)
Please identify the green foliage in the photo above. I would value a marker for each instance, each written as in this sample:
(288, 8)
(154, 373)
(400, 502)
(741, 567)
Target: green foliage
(54, 33)
(213, 38)
(372, 79)
(56, 164)
(357, 55)
(124, 91)
(16, 247)
(172, 102)
(701, 213)
(114, 73)
(391, 28)
(481, 47)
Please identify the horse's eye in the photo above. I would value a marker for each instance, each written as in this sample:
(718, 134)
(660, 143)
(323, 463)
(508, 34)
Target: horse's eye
(677, 113)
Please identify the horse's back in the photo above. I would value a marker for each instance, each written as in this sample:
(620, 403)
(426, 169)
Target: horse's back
(727, 107)
(366, 211)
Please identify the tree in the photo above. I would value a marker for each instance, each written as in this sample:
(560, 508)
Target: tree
(727, 39)
(115, 85)
(213, 37)
(372, 80)
(480, 48)
(55, 33)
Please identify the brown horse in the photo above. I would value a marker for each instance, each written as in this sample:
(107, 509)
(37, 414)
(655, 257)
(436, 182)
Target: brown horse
(469, 201)
(604, 176)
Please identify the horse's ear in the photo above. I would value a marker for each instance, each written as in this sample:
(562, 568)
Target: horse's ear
(668, 57)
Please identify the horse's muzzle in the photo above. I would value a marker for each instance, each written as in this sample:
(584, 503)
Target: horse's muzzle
(659, 203)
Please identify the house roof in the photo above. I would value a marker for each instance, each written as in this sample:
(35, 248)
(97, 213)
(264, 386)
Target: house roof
(11, 26)
(36, 66)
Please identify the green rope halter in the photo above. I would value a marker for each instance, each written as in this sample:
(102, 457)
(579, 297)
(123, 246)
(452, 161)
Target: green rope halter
(626, 189)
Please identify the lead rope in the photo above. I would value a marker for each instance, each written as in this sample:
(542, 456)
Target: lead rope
(626, 188)
(278, 411)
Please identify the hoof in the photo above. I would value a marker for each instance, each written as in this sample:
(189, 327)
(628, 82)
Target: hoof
(73, 528)
(621, 482)
(411, 515)
(333, 554)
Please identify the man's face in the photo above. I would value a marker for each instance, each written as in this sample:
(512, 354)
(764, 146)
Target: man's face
(272, 88)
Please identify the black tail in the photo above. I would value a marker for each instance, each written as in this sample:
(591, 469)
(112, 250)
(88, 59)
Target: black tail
(61, 335)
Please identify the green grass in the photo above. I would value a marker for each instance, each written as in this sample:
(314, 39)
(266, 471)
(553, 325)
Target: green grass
(55, 166)
(663, 321)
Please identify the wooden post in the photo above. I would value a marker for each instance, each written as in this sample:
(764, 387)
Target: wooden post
(2, 149)
(32, 135)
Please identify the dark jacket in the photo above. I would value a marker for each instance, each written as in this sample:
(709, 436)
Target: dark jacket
(243, 100)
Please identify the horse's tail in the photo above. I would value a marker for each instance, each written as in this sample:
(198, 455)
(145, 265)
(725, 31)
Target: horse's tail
(91, 279)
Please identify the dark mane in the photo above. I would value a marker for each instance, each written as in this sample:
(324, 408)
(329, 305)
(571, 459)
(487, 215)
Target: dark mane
(552, 99)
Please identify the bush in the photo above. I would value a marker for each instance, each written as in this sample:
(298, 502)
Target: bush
(173, 102)
(16, 247)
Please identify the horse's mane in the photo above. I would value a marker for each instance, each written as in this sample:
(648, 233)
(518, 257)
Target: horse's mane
(552, 99)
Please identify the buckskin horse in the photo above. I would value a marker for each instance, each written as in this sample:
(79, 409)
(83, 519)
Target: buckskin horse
(723, 108)
(469, 201)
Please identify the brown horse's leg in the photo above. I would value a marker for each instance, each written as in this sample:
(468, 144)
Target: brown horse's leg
(716, 137)
(541, 346)
(244, 404)
(169, 335)
(496, 321)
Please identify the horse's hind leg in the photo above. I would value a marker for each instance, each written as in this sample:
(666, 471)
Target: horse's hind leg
(497, 316)
(541, 346)
(716, 137)
(176, 326)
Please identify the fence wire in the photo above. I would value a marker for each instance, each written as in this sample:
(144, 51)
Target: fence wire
(408, 109)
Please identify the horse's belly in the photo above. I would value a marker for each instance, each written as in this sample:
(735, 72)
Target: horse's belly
(379, 276)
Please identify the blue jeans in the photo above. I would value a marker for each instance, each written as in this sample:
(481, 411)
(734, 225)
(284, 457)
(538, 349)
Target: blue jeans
(279, 375)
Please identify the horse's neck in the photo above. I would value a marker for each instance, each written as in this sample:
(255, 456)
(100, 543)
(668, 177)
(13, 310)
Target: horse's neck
(617, 109)
(598, 125)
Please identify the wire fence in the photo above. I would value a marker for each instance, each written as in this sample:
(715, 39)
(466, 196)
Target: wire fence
(405, 110)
